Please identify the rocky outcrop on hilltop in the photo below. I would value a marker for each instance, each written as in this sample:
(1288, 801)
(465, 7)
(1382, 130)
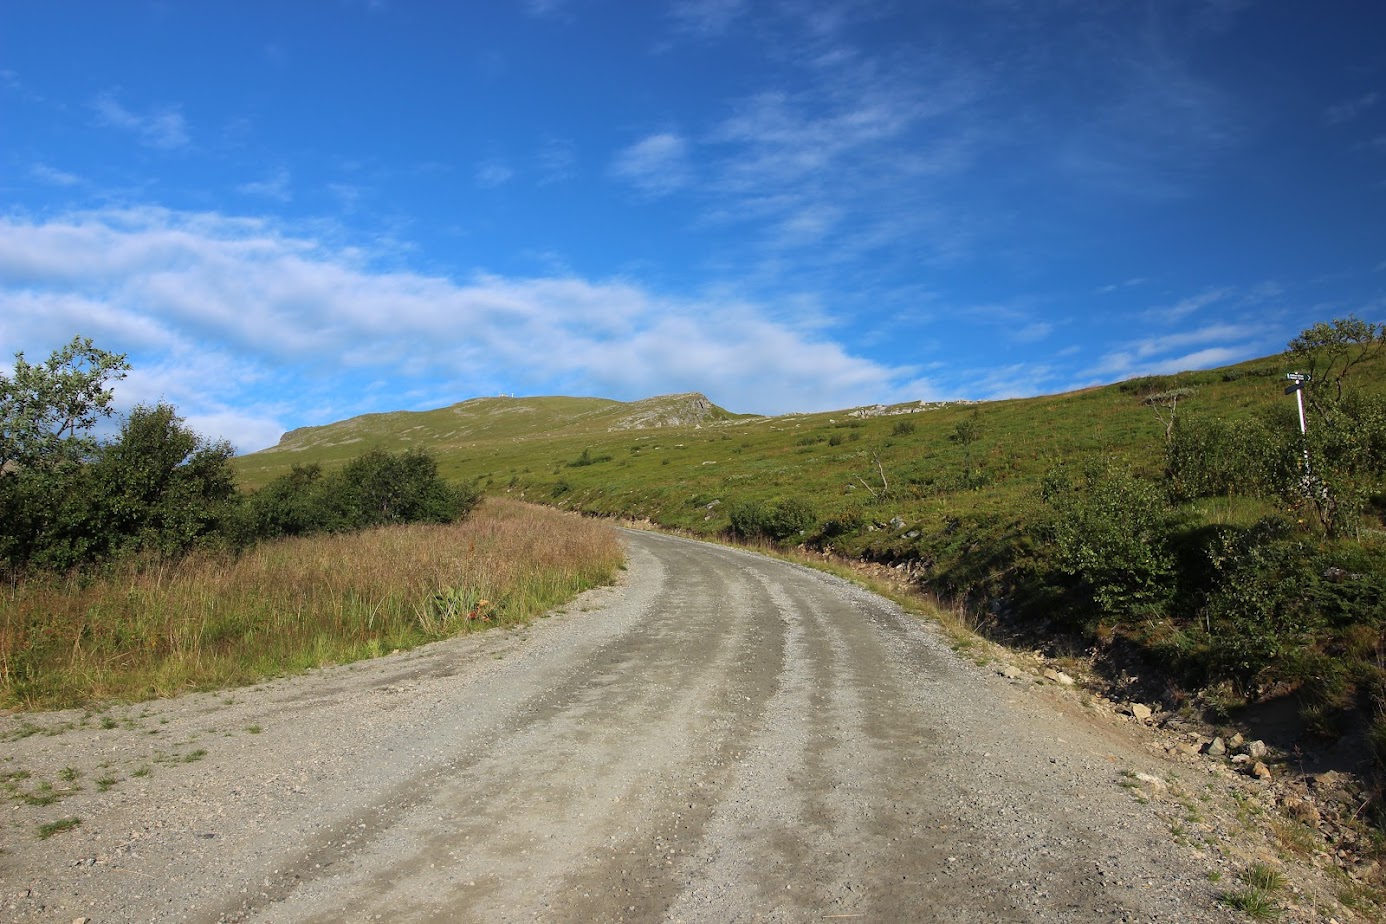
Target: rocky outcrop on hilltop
(686, 410)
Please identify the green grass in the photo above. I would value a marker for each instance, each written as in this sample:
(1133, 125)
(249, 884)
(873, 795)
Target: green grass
(859, 473)
(1257, 899)
(42, 794)
(46, 831)
(1260, 876)
(1254, 903)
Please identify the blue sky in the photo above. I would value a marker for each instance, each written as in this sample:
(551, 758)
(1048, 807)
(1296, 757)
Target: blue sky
(292, 213)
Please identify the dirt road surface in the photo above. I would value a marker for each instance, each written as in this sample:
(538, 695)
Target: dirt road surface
(721, 738)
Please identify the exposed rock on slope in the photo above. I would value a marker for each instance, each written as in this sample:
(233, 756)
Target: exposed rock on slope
(686, 410)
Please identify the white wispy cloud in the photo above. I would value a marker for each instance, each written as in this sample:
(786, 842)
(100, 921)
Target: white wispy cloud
(53, 175)
(1200, 348)
(707, 17)
(843, 161)
(346, 194)
(1156, 131)
(1347, 110)
(493, 173)
(1033, 332)
(556, 160)
(1187, 306)
(545, 8)
(657, 164)
(1124, 284)
(228, 316)
(162, 128)
(275, 186)
(1019, 320)
(780, 139)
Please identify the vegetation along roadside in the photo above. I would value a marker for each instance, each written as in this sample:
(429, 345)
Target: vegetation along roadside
(134, 569)
(1163, 530)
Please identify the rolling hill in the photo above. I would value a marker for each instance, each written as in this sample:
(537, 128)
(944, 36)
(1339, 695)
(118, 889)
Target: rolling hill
(669, 458)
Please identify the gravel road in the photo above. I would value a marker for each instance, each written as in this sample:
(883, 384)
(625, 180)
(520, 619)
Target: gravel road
(720, 738)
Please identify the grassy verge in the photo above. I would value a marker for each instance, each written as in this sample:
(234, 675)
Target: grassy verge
(146, 630)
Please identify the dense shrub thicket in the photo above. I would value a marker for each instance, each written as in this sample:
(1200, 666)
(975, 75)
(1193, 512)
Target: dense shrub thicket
(69, 499)
(375, 489)
(787, 518)
(156, 487)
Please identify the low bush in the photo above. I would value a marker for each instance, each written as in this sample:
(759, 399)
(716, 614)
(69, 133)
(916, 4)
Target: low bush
(785, 519)
(375, 489)
(1109, 531)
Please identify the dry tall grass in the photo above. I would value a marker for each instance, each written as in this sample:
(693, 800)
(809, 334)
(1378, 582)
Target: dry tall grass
(148, 630)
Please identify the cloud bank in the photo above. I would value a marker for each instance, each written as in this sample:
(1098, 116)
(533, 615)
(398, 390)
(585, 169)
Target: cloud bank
(251, 329)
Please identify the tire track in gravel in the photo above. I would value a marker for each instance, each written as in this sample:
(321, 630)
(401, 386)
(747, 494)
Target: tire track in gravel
(724, 738)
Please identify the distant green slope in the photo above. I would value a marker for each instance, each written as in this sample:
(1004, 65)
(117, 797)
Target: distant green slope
(858, 467)
(472, 429)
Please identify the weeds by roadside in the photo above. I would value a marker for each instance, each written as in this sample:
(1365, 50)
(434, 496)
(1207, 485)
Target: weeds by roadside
(1256, 899)
(154, 629)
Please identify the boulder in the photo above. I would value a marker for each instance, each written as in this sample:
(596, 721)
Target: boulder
(1152, 783)
(1137, 711)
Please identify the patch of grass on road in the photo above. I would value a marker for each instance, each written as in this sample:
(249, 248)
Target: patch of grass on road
(57, 827)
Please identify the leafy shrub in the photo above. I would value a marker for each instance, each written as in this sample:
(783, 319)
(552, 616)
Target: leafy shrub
(1145, 385)
(374, 489)
(1210, 457)
(903, 428)
(1259, 603)
(777, 522)
(844, 523)
(284, 507)
(157, 487)
(587, 459)
(748, 518)
(1110, 532)
(160, 486)
(1347, 459)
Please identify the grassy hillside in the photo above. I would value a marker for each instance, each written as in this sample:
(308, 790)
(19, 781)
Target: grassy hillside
(465, 435)
(875, 464)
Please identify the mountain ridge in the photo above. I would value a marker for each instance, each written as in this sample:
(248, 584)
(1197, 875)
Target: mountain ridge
(506, 417)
